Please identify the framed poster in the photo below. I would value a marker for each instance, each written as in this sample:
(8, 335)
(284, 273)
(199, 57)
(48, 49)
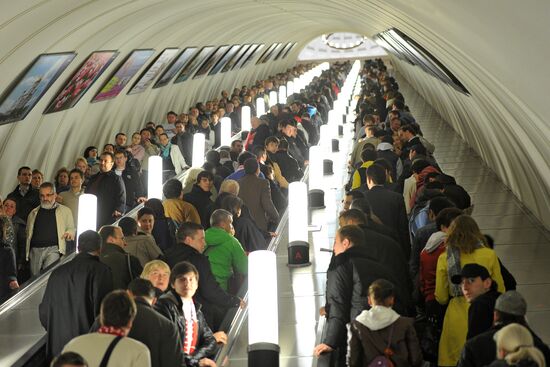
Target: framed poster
(210, 61)
(178, 63)
(289, 49)
(124, 73)
(252, 56)
(266, 53)
(25, 91)
(81, 80)
(154, 69)
(231, 62)
(282, 51)
(246, 55)
(221, 63)
(192, 65)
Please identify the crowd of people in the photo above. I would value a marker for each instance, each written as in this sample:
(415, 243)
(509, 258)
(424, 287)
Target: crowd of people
(413, 281)
(182, 260)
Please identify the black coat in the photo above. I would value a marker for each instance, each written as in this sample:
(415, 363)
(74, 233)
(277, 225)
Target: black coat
(72, 299)
(133, 186)
(124, 267)
(201, 201)
(8, 271)
(184, 141)
(289, 166)
(158, 334)
(248, 234)
(169, 305)
(348, 278)
(24, 204)
(261, 133)
(213, 298)
(389, 206)
(480, 313)
(481, 350)
(111, 195)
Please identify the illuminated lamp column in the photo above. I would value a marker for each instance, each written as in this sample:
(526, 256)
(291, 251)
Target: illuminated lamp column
(272, 98)
(315, 179)
(297, 85)
(290, 88)
(199, 143)
(260, 107)
(154, 177)
(263, 321)
(225, 131)
(325, 141)
(298, 246)
(245, 117)
(87, 214)
(282, 94)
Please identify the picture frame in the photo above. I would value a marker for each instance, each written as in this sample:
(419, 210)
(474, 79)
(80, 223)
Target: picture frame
(289, 49)
(177, 64)
(123, 74)
(31, 84)
(209, 62)
(239, 63)
(224, 59)
(252, 55)
(268, 54)
(81, 80)
(153, 70)
(282, 51)
(193, 64)
(236, 57)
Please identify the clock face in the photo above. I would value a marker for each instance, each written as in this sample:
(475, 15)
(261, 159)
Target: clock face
(343, 41)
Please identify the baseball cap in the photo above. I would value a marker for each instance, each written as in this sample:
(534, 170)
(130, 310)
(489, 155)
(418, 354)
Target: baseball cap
(471, 271)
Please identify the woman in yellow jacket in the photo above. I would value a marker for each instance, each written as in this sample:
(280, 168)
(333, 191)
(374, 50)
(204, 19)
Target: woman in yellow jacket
(465, 245)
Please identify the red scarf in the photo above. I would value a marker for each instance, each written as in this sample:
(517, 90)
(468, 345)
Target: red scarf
(111, 330)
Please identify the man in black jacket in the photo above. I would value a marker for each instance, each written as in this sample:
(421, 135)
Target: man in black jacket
(25, 196)
(184, 140)
(388, 206)
(199, 196)
(190, 246)
(135, 193)
(349, 276)
(124, 266)
(109, 189)
(481, 350)
(74, 293)
(152, 329)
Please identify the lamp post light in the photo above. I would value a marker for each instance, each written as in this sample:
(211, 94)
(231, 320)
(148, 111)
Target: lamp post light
(263, 321)
(272, 98)
(199, 143)
(245, 117)
(260, 107)
(87, 214)
(289, 88)
(282, 94)
(298, 218)
(154, 177)
(225, 131)
(315, 180)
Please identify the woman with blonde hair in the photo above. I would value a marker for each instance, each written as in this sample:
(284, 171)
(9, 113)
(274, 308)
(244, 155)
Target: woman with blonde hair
(158, 273)
(515, 347)
(465, 245)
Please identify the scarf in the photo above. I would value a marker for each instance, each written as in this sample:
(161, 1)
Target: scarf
(165, 151)
(454, 268)
(191, 327)
(111, 330)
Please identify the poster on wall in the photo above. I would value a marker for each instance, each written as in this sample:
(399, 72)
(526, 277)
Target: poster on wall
(24, 92)
(253, 55)
(176, 66)
(192, 65)
(221, 63)
(289, 49)
(157, 67)
(210, 61)
(246, 55)
(123, 75)
(282, 51)
(81, 80)
(231, 63)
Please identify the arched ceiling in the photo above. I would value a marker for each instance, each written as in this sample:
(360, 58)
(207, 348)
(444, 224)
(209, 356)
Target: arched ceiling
(497, 49)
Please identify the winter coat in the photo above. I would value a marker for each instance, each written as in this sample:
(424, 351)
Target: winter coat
(370, 336)
(201, 201)
(225, 254)
(111, 195)
(170, 306)
(124, 267)
(428, 264)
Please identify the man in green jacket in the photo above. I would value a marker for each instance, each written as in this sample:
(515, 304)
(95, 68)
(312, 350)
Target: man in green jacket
(225, 252)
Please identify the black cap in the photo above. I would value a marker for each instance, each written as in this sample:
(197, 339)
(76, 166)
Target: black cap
(471, 271)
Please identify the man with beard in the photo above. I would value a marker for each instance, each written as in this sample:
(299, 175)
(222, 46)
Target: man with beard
(49, 226)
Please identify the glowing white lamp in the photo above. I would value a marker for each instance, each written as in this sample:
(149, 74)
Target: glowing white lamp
(298, 246)
(297, 85)
(272, 98)
(263, 321)
(315, 180)
(282, 94)
(199, 143)
(87, 214)
(289, 88)
(260, 107)
(245, 118)
(154, 177)
(225, 131)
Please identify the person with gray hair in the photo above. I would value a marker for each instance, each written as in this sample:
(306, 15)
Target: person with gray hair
(74, 293)
(510, 308)
(225, 252)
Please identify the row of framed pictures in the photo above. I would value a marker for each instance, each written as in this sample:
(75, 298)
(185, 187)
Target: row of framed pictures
(172, 64)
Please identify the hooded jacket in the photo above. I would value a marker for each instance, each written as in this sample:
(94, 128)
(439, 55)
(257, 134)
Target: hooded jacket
(225, 254)
(371, 333)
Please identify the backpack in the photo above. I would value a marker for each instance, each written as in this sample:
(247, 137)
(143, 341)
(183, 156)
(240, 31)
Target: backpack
(384, 360)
